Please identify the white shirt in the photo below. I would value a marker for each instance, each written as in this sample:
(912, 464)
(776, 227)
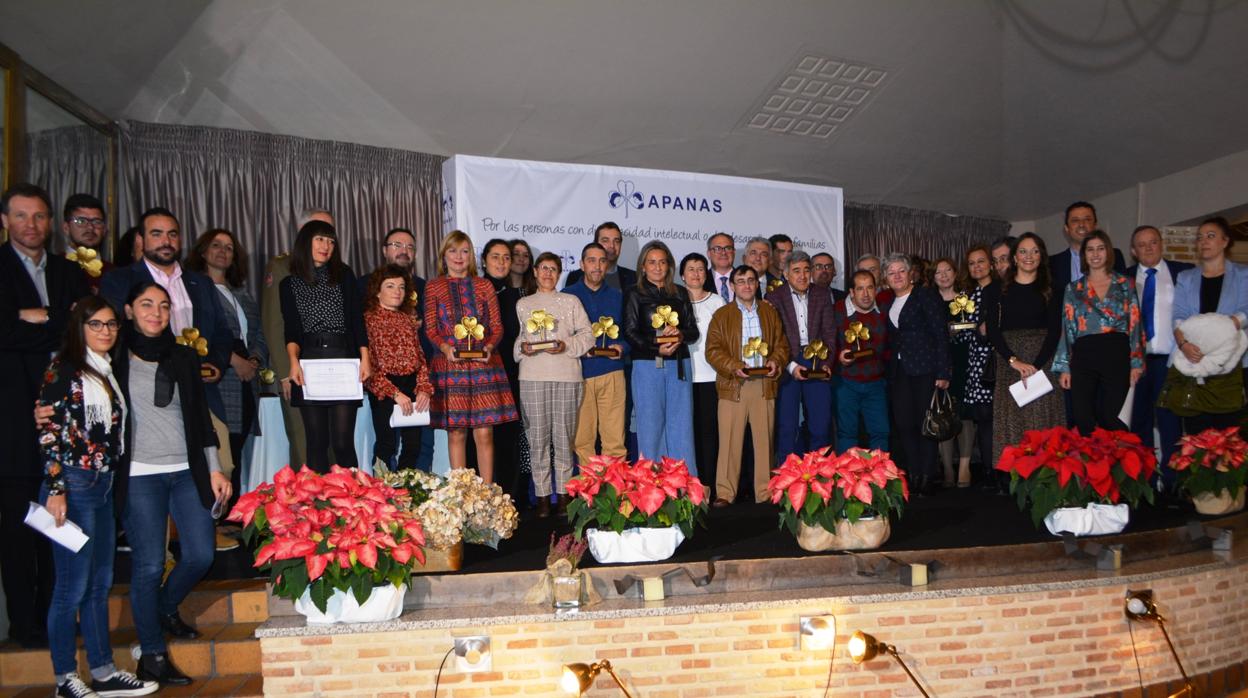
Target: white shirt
(1163, 307)
(702, 312)
(182, 313)
(894, 311)
(801, 308)
(850, 308)
(716, 279)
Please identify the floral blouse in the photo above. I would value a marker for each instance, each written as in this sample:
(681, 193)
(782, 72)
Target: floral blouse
(394, 349)
(1083, 313)
(65, 440)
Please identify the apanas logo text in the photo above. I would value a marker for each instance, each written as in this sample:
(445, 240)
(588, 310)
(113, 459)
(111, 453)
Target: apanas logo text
(627, 197)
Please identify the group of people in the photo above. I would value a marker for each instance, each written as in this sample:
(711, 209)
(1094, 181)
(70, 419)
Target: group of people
(146, 374)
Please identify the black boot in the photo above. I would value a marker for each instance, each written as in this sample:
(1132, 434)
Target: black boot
(562, 508)
(158, 667)
(174, 626)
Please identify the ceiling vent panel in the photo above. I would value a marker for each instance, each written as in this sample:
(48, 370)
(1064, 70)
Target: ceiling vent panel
(816, 96)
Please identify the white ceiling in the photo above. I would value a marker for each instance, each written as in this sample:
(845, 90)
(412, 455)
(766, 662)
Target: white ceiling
(1010, 108)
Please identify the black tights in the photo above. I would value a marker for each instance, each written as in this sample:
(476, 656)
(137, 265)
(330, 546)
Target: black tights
(327, 426)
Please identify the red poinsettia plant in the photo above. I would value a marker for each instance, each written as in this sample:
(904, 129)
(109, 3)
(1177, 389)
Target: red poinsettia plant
(1212, 461)
(341, 531)
(613, 494)
(1059, 467)
(820, 487)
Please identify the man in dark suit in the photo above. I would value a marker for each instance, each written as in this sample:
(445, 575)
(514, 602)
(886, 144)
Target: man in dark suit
(721, 250)
(612, 240)
(823, 269)
(1154, 279)
(37, 291)
(195, 300)
(1064, 266)
(758, 256)
(808, 316)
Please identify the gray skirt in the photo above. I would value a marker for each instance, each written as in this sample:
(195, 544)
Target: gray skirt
(1009, 421)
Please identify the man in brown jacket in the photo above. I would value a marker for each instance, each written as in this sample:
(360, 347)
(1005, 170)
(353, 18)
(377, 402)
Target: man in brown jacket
(732, 349)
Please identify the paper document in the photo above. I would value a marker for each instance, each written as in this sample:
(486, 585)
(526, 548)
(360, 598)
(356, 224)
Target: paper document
(331, 379)
(67, 535)
(1038, 385)
(1125, 413)
(415, 419)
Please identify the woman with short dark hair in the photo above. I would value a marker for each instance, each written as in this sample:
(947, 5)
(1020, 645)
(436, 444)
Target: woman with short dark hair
(400, 376)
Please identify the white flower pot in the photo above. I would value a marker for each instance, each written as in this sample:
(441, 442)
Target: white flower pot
(1220, 503)
(867, 533)
(634, 544)
(1092, 520)
(385, 603)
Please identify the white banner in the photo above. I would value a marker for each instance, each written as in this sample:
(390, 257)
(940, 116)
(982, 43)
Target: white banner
(555, 207)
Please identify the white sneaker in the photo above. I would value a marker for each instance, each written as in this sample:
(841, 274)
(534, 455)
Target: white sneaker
(122, 684)
(74, 687)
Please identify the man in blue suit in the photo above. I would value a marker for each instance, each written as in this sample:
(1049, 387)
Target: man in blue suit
(195, 300)
(1155, 280)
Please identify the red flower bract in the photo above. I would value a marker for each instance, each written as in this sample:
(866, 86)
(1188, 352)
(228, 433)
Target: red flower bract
(616, 494)
(855, 482)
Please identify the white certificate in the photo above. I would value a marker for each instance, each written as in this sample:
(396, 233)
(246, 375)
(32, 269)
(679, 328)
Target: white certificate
(415, 419)
(331, 379)
(68, 534)
(1037, 386)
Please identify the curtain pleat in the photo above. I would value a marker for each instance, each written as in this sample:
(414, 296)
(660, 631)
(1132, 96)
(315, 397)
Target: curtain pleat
(65, 161)
(879, 229)
(257, 185)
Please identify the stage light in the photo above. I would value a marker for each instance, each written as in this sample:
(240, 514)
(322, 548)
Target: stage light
(863, 648)
(817, 632)
(473, 653)
(578, 677)
(1138, 606)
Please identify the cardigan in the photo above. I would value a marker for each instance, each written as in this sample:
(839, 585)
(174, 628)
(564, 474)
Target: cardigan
(571, 327)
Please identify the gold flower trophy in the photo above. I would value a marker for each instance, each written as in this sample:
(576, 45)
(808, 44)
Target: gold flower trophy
(88, 259)
(191, 337)
(606, 329)
(469, 329)
(959, 307)
(664, 316)
(857, 334)
(754, 351)
(817, 351)
(539, 323)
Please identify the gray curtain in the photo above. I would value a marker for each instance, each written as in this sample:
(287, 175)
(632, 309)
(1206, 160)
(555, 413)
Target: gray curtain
(64, 161)
(880, 229)
(257, 185)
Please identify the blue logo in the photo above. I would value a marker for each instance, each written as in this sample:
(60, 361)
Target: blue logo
(626, 195)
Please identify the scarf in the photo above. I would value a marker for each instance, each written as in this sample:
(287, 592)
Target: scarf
(155, 350)
(96, 402)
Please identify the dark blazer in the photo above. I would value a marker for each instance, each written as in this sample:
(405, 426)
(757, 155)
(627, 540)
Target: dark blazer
(821, 320)
(209, 316)
(1059, 268)
(628, 278)
(26, 350)
(838, 296)
(922, 341)
(1173, 267)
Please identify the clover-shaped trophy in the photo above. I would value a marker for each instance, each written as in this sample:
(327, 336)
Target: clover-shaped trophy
(959, 307)
(856, 335)
(606, 329)
(815, 352)
(663, 317)
(468, 329)
(88, 259)
(774, 284)
(191, 337)
(539, 323)
(753, 353)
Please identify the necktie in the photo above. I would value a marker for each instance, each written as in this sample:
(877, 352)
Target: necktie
(1150, 298)
(723, 289)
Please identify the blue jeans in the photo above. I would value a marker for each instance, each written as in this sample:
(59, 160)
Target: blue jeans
(870, 400)
(83, 578)
(664, 405)
(149, 503)
(813, 395)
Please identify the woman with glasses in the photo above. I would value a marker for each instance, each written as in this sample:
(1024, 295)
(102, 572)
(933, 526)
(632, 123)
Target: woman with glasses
(82, 445)
(1023, 314)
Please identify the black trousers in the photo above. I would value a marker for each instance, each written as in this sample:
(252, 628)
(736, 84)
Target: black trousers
(706, 431)
(909, 397)
(1100, 376)
(388, 438)
(25, 561)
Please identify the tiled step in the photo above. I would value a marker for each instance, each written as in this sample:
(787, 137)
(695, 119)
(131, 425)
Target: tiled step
(211, 603)
(251, 686)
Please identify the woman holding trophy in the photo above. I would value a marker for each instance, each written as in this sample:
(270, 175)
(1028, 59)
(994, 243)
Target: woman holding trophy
(554, 333)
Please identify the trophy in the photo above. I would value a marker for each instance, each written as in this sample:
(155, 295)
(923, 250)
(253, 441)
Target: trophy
(664, 316)
(88, 259)
(191, 337)
(539, 322)
(607, 329)
(774, 284)
(469, 329)
(754, 351)
(817, 351)
(858, 333)
(959, 307)
(267, 376)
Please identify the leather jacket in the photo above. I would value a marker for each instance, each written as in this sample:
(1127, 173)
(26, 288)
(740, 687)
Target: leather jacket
(640, 303)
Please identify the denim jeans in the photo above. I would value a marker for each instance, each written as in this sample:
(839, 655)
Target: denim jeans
(664, 404)
(870, 400)
(149, 503)
(814, 398)
(83, 578)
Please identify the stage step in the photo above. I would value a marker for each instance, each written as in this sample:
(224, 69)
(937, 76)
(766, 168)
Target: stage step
(224, 661)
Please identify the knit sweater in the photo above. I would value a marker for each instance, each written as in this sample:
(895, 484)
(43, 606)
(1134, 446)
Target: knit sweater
(394, 350)
(571, 327)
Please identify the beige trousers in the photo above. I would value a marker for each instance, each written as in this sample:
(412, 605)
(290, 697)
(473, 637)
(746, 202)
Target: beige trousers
(760, 414)
(601, 416)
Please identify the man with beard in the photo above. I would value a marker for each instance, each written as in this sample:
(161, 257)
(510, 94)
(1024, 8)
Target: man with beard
(86, 227)
(824, 269)
(612, 240)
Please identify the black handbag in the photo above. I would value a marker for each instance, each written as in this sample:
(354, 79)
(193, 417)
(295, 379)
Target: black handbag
(942, 421)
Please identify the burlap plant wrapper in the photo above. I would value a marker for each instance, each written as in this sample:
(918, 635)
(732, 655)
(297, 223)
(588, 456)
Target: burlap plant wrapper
(540, 594)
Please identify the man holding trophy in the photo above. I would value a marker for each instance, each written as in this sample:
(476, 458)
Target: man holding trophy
(862, 392)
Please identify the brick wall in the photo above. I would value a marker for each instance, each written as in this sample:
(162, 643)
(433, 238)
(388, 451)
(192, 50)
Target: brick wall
(1179, 244)
(1043, 643)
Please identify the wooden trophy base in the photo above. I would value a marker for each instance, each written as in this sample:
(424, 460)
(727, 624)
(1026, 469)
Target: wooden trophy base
(465, 354)
(960, 326)
(821, 375)
(667, 339)
(861, 354)
(607, 352)
(757, 371)
(533, 347)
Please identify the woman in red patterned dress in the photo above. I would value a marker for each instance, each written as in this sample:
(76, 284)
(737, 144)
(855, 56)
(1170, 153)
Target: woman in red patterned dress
(471, 393)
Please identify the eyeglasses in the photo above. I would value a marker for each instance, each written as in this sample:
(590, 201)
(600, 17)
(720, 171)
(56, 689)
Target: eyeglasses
(718, 249)
(99, 325)
(83, 220)
(824, 267)
(401, 247)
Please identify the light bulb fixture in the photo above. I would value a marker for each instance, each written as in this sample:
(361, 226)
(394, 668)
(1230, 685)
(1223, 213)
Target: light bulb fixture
(578, 677)
(863, 648)
(473, 654)
(1138, 606)
(817, 632)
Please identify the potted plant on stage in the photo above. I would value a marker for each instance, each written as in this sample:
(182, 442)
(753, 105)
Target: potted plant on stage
(1211, 469)
(839, 502)
(1085, 485)
(635, 512)
(341, 545)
